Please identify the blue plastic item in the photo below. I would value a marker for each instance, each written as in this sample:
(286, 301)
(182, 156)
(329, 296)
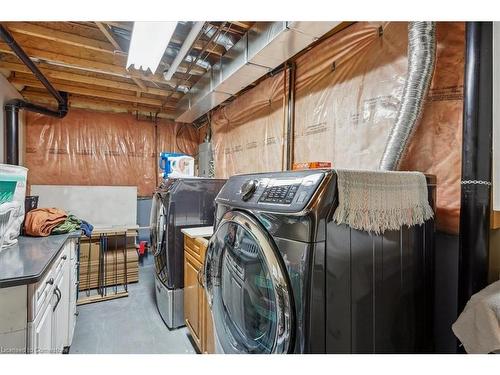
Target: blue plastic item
(164, 162)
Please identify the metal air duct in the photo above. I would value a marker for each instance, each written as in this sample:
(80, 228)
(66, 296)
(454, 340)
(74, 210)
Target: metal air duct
(263, 48)
(421, 61)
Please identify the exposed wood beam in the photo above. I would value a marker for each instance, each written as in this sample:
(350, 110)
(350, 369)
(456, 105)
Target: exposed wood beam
(176, 39)
(185, 48)
(229, 29)
(96, 105)
(139, 83)
(90, 92)
(78, 63)
(59, 36)
(80, 78)
(107, 33)
(109, 36)
(200, 44)
(51, 72)
(55, 58)
(242, 24)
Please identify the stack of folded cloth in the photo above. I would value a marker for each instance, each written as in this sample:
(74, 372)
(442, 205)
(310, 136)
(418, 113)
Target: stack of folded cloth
(42, 222)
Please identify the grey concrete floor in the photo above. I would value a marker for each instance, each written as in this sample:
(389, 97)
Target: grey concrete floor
(128, 325)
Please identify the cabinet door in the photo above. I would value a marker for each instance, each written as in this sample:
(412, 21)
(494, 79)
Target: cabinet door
(73, 286)
(42, 342)
(208, 328)
(192, 294)
(60, 316)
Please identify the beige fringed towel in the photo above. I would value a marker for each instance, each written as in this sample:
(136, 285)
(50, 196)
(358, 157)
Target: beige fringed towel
(376, 201)
(478, 326)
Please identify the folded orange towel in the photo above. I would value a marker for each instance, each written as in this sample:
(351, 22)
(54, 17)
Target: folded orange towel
(40, 222)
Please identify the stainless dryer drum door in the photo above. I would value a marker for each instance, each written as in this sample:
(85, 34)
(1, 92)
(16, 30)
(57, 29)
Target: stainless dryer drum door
(248, 288)
(159, 237)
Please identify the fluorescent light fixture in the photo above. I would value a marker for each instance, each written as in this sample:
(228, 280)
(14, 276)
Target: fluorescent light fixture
(148, 44)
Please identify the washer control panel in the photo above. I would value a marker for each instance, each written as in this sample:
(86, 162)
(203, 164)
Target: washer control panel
(283, 194)
(280, 191)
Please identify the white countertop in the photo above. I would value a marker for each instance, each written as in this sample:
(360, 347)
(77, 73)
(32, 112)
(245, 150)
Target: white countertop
(198, 232)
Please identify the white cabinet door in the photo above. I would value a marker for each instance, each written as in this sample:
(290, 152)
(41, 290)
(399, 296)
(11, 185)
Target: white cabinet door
(60, 316)
(42, 337)
(73, 286)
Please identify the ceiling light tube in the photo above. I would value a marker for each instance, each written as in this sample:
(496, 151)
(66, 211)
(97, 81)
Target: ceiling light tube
(148, 44)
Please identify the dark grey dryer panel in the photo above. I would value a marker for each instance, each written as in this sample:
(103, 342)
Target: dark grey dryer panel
(379, 292)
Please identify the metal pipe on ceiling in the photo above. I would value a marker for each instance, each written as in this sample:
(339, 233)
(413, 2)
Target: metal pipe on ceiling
(185, 48)
(193, 62)
(13, 107)
(290, 116)
(16, 48)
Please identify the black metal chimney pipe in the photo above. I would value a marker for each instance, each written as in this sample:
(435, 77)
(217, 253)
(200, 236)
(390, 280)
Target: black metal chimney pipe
(476, 161)
(290, 116)
(12, 107)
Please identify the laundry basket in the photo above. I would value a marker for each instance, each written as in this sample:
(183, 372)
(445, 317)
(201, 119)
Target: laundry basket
(12, 194)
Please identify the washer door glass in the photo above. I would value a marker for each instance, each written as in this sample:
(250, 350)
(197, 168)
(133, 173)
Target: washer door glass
(248, 290)
(159, 237)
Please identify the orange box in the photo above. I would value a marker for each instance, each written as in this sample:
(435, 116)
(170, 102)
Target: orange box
(312, 165)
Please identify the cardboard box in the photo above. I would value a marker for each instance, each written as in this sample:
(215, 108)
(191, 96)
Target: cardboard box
(312, 165)
(113, 258)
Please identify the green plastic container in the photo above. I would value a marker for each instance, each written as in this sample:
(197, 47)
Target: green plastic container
(7, 189)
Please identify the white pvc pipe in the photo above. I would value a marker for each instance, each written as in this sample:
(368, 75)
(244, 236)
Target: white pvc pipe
(186, 46)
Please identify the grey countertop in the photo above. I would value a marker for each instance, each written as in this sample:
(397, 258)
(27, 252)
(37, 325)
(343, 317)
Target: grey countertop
(27, 261)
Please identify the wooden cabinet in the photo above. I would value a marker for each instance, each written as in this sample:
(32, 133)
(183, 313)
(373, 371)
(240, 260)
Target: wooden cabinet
(196, 310)
(192, 297)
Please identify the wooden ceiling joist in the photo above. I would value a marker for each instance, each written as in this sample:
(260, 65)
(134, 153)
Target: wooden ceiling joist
(242, 24)
(92, 65)
(97, 105)
(87, 60)
(78, 63)
(109, 36)
(107, 33)
(26, 28)
(80, 78)
(89, 92)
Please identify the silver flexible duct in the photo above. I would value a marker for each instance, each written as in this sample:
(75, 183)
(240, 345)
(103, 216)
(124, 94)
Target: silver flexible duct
(421, 61)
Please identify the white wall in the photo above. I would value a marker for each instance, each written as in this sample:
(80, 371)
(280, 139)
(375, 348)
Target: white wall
(7, 92)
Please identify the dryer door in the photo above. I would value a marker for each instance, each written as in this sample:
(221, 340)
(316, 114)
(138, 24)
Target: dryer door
(159, 236)
(248, 288)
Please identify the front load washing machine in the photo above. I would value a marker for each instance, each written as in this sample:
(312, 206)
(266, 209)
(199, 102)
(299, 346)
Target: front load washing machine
(282, 277)
(178, 203)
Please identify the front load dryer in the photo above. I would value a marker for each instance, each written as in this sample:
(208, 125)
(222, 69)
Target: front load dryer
(177, 203)
(282, 277)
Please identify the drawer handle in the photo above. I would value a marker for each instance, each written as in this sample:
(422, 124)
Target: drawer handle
(64, 257)
(77, 313)
(50, 281)
(58, 293)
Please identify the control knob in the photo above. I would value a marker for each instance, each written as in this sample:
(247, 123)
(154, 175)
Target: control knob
(248, 188)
